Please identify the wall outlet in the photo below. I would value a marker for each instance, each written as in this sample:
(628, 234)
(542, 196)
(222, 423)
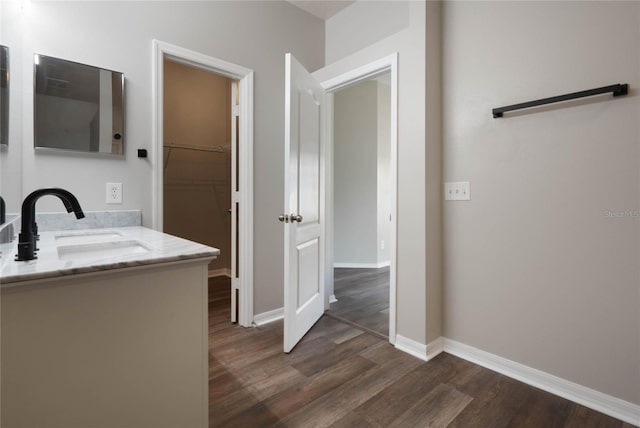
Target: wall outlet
(114, 193)
(382, 244)
(457, 191)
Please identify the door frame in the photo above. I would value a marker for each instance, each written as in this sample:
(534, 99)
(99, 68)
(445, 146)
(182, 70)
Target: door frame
(162, 51)
(351, 77)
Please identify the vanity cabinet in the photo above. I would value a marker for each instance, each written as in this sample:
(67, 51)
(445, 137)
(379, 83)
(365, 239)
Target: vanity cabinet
(120, 347)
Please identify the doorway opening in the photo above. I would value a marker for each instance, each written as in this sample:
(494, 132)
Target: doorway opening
(203, 146)
(383, 71)
(199, 151)
(362, 201)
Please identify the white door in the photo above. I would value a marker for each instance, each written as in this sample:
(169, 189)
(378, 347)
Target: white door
(303, 247)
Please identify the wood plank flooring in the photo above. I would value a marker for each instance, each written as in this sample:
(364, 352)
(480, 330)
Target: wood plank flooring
(363, 298)
(341, 376)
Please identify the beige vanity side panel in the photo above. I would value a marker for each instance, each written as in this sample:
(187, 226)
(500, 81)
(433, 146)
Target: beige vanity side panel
(121, 349)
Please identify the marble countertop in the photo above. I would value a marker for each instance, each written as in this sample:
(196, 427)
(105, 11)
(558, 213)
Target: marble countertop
(70, 252)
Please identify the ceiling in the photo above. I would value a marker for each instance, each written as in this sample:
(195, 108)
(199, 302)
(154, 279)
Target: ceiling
(323, 9)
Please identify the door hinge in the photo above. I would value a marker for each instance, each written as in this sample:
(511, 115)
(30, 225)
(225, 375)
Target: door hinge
(236, 283)
(235, 110)
(235, 197)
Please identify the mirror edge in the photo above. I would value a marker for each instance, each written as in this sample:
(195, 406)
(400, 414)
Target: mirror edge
(5, 60)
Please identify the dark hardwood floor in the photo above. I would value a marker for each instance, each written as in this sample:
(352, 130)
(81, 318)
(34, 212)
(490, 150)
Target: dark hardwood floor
(341, 376)
(363, 298)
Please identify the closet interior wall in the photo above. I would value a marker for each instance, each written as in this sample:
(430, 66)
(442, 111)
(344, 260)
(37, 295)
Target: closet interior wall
(197, 158)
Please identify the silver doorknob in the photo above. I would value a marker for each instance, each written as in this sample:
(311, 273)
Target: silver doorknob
(283, 218)
(296, 217)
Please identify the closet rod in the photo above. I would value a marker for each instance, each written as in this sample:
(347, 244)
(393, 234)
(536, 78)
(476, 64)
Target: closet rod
(195, 182)
(217, 149)
(616, 90)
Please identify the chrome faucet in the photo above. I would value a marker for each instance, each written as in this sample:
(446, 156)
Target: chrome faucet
(29, 231)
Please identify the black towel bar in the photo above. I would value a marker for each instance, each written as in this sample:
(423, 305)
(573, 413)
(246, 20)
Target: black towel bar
(616, 90)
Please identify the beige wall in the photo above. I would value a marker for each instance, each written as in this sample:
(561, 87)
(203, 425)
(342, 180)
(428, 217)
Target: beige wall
(433, 173)
(535, 270)
(197, 184)
(197, 106)
(125, 348)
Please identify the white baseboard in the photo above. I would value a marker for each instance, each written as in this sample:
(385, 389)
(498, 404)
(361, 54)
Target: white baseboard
(607, 404)
(361, 265)
(269, 316)
(435, 347)
(220, 272)
(411, 347)
(419, 350)
(332, 298)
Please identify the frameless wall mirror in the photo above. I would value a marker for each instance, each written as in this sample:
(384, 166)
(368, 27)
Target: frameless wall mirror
(4, 96)
(78, 107)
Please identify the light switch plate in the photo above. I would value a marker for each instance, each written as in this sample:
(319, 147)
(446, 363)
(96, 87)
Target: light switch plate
(457, 191)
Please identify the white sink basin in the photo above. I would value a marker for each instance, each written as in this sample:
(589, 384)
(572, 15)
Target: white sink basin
(101, 250)
(87, 236)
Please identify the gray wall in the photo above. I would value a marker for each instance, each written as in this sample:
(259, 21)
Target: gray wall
(536, 271)
(355, 153)
(384, 171)
(11, 35)
(361, 169)
(382, 29)
(118, 36)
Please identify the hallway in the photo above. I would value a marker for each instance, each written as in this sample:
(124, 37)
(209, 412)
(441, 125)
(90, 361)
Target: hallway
(363, 298)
